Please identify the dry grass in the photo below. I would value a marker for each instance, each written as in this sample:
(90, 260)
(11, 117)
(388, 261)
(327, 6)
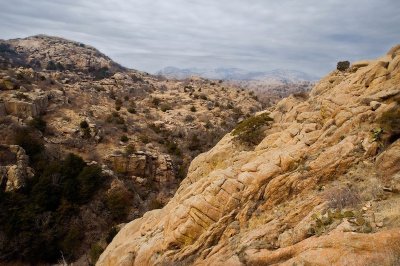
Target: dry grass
(342, 197)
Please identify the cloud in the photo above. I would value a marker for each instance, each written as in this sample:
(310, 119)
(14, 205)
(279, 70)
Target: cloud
(308, 35)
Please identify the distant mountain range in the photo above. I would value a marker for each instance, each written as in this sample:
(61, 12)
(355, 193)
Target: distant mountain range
(278, 75)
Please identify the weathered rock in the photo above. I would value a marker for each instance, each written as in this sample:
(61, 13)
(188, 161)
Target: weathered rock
(141, 164)
(271, 193)
(388, 163)
(14, 169)
(34, 105)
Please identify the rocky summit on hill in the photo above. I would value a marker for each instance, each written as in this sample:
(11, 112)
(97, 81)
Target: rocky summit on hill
(313, 181)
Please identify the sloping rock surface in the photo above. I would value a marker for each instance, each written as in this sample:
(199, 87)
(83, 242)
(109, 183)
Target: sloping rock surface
(276, 204)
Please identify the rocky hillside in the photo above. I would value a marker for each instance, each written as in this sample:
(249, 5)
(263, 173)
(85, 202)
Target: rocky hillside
(276, 75)
(53, 53)
(87, 145)
(320, 186)
(268, 86)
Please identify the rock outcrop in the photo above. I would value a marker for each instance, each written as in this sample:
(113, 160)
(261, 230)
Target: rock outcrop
(315, 191)
(141, 164)
(14, 169)
(25, 104)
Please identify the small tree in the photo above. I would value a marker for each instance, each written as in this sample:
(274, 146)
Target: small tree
(343, 65)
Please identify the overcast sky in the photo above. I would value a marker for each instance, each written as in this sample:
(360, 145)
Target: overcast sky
(307, 35)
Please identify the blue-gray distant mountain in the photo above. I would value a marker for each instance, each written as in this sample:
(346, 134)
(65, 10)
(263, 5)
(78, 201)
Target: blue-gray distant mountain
(277, 75)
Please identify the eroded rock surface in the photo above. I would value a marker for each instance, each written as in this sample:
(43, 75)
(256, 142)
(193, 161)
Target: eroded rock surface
(311, 193)
(14, 170)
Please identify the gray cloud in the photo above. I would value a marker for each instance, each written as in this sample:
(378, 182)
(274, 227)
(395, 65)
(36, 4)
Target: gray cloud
(308, 35)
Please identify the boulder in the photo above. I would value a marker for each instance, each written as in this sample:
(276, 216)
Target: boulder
(14, 169)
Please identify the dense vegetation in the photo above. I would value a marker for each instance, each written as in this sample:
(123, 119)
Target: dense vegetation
(41, 221)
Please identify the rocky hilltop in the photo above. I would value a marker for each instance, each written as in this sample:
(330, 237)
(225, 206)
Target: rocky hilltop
(319, 187)
(54, 53)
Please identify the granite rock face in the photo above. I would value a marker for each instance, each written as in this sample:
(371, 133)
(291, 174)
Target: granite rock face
(313, 192)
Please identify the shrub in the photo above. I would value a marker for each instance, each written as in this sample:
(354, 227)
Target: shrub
(115, 118)
(95, 252)
(130, 149)
(193, 109)
(31, 144)
(85, 129)
(100, 73)
(51, 65)
(340, 198)
(112, 95)
(132, 110)
(250, 131)
(124, 138)
(156, 101)
(84, 124)
(72, 239)
(60, 67)
(38, 123)
(165, 107)
(208, 125)
(189, 118)
(144, 138)
(117, 202)
(343, 65)
(194, 143)
(155, 128)
(90, 179)
(173, 148)
(203, 96)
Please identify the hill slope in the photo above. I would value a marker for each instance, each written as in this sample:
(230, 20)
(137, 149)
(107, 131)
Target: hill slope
(54, 53)
(321, 188)
(132, 134)
(277, 75)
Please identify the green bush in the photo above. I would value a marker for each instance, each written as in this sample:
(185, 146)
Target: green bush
(156, 101)
(165, 107)
(173, 148)
(130, 149)
(40, 220)
(32, 145)
(189, 118)
(85, 129)
(250, 131)
(115, 118)
(90, 179)
(132, 110)
(95, 252)
(124, 138)
(117, 202)
(193, 109)
(72, 239)
(51, 65)
(343, 65)
(84, 124)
